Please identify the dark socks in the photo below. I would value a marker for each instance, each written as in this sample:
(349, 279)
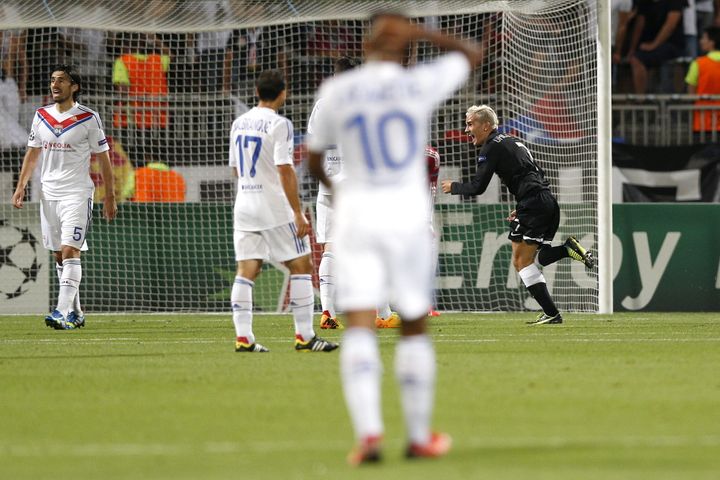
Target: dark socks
(540, 293)
(548, 255)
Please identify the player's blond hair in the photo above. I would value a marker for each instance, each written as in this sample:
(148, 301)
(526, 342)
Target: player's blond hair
(484, 114)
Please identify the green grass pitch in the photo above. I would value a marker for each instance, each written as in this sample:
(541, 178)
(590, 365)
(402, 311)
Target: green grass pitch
(628, 396)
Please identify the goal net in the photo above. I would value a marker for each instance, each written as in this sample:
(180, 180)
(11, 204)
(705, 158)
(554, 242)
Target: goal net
(168, 78)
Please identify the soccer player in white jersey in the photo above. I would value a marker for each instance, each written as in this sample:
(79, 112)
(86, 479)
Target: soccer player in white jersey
(268, 219)
(386, 318)
(379, 118)
(64, 135)
(324, 213)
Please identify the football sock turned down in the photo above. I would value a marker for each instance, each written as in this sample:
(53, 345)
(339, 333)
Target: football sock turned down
(384, 311)
(415, 373)
(69, 284)
(534, 280)
(241, 303)
(302, 303)
(327, 282)
(360, 372)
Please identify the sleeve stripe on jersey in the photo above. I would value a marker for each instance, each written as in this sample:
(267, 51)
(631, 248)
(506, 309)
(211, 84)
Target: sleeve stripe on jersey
(85, 109)
(289, 127)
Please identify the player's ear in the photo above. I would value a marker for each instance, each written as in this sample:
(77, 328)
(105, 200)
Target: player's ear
(74, 88)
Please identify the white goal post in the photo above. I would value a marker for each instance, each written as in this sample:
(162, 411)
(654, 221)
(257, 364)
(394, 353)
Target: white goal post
(167, 78)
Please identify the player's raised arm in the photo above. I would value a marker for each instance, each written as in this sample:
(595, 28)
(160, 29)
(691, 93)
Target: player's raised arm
(391, 30)
(28, 166)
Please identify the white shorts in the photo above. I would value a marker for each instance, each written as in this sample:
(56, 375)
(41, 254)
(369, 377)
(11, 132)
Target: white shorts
(65, 222)
(324, 233)
(374, 266)
(279, 244)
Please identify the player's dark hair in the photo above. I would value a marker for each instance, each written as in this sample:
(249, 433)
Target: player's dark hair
(270, 84)
(713, 34)
(345, 63)
(386, 13)
(74, 75)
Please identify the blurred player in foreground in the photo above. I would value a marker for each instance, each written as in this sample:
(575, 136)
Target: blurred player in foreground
(379, 118)
(268, 220)
(386, 318)
(324, 212)
(536, 218)
(64, 134)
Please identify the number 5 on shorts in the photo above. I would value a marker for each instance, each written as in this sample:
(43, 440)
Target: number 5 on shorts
(77, 234)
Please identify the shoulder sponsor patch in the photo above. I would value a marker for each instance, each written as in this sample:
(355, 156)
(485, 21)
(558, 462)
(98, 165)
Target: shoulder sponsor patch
(481, 159)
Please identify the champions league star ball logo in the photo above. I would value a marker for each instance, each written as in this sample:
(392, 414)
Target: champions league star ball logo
(19, 264)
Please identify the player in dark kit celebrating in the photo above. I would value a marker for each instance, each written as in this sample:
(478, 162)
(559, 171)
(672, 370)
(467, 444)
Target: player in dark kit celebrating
(536, 218)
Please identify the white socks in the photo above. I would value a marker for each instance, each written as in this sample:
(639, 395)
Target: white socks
(531, 275)
(327, 282)
(69, 284)
(384, 311)
(76, 307)
(302, 303)
(360, 372)
(415, 371)
(241, 302)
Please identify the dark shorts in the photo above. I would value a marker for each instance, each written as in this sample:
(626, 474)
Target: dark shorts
(655, 58)
(538, 219)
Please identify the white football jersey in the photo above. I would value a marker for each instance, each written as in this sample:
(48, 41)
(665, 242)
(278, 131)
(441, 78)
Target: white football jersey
(67, 139)
(333, 164)
(379, 114)
(260, 140)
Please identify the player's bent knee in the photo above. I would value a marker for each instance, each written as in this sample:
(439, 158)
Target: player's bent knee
(300, 266)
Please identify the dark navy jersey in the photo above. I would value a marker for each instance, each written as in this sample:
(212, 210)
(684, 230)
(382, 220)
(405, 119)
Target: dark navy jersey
(512, 161)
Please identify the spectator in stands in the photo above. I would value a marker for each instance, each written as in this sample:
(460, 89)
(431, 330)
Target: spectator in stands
(86, 47)
(42, 51)
(13, 79)
(622, 15)
(334, 39)
(142, 71)
(707, 13)
(212, 73)
(690, 29)
(703, 78)
(156, 182)
(140, 79)
(657, 37)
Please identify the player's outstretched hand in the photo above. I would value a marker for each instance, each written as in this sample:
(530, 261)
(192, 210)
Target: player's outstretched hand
(302, 225)
(447, 186)
(109, 208)
(512, 216)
